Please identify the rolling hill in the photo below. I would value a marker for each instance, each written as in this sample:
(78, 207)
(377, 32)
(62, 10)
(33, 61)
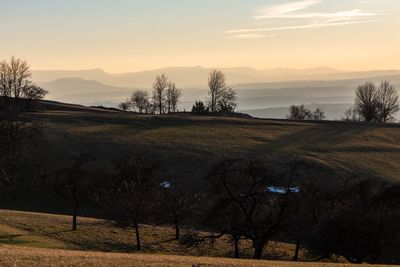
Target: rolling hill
(36, 239)
(187, 146)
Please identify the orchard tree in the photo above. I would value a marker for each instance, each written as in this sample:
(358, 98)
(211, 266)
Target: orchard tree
(128, 196)
(74, 184)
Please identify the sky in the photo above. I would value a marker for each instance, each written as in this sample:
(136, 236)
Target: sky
(133, 35)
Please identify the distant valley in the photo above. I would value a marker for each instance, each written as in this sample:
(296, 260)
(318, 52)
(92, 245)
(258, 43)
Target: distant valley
(265, 94)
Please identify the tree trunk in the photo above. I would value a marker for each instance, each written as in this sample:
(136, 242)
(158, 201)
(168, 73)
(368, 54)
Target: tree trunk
(296, 253)
(137, 231)
(237, 255)
(258, 249)
(74, 218)
(177, 232)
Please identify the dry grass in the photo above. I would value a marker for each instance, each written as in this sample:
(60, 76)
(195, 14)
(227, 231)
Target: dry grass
(53, 231)
(17, 256)
(188, 145)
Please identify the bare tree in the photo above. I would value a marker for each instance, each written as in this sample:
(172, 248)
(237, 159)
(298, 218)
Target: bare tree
(15, 136)
(32, 94)
(199, 108)
(140, 101)
(126, 197)
(388, 99)
(350, 115)
(173, 97)
(242, 188)
(367, 102)
(318, 114)
(217, 85)
(74, 184)
(299, 113)
(227, 100)
(15, 82)
(175, 205)
(361, 223)
(159, 92)
(124, 105)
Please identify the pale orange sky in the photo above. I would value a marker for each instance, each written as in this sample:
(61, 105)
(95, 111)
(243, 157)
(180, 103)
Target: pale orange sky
(132, 35)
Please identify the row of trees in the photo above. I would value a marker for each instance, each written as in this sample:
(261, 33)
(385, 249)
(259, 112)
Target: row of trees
(221, 97)
(165, 98)
(374, 103)
(245, 200)
(302, 113)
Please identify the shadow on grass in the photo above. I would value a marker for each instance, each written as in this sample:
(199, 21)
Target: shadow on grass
(12, 240)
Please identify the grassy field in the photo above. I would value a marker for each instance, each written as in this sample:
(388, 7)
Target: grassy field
(53, 231)
(12, 256)
(188, 145)
(34, 239)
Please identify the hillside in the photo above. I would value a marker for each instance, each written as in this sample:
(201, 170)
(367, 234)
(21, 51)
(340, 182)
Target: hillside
(22, 256)
(188, 145)
(35, 239)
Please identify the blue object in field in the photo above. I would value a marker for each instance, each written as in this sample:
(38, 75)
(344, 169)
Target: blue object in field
(282, 190)
(166, 184)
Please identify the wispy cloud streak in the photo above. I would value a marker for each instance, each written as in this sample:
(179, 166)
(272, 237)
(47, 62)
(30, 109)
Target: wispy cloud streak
(299, 11)
(345, 15)
(244, 36)
(296, 27)
(288, 8)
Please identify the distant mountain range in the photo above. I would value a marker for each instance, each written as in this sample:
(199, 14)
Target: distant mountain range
(261, 93)
(189, 77)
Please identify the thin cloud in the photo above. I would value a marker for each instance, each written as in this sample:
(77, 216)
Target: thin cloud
(288, 8)
(345, 15)
(245, 36)
(300, 11)
(304, 26)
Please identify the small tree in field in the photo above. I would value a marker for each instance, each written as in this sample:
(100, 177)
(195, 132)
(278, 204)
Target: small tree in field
(140, 101)
(124, 105)
(221, 98)
(74, 184)
(199, 108)
(16, 84)
(247, 207)
(227, 100)
(299, 113)
(303, 113)
(378, 104)
(173, 97)
(367, 102)
(159, 92)
(175, 205)
(131, 193)
(388, 100)
(217, 85)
